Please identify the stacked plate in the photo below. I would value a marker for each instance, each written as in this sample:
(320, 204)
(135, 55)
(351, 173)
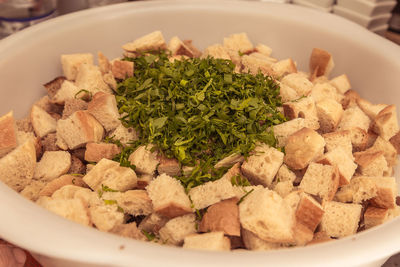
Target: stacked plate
(323, 5)
(371, 14)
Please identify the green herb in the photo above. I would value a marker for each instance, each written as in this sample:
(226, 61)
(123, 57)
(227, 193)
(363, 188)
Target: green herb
(87, 96)
(105, 188)
(197, 111)
(76, 174)
(239, 180)
(150, 236)
(126, 151)
(245, 195)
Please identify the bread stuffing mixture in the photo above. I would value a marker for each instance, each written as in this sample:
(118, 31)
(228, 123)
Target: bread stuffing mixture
(226, 148)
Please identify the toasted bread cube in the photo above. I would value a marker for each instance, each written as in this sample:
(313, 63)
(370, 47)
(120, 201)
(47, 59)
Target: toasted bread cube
(299, 83)
(124, 135)
(339, 139)
(321, 62)
(324, 90)
(283, 188)
(72, 62)
(104, 63)
(339, 158)
(350, 99)
(122, 69)
(287, 93)
(89, 78)
(253, 242)
(262, 166)
(168, 196)
(211, 192)
(8, 134)
(341, 83)
(18, 166)
(49, 188)
(329, 114)
(54, 85)
(222, 216)
(284, 174)
(176, 229)
(239, 42)
(144, 159)
(340, 219)
(284, 67)
(144, 180)
(106, 217)
(254, 64)
(370, 109)
(209, 241)
(303, 147)
(78, 129)
(320, 180)
(360, 189)
(386, 193)
(149, 42)
(389, 151)
(178, 47)
(109, 173)
(284, 130)
(303, 108)
(263, 49)
(266, 214)
(153, 223)
(371, 163)
(52, 165)
(72, 105)
(32, 190)
(96, 151)
(43, 123)
(104, 108)
(385, 123)
(170, 166)
(216, 51)
(374, 216)
(129, 230)
(68, 90)
(134, 202)
(309, 212)
(359, 139)
(395, 141)
(354, 117)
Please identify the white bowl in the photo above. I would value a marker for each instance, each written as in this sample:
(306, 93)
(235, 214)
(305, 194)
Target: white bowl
(30, 58)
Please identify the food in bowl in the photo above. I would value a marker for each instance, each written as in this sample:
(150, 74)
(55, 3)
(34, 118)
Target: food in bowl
(229, 148)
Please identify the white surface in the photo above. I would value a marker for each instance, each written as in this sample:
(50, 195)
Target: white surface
(368, 8)
(309, 4)
(30, 58)
(365, 21)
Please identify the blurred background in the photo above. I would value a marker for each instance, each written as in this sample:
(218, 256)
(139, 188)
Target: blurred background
(379, 16)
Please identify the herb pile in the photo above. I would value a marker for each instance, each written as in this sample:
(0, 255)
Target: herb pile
(198, 110)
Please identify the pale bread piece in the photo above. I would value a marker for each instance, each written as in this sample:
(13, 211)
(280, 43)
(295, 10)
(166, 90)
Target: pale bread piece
(153, 223)
(109, 79)
(284, 67)
(87, 196)
(59, 182)
(340, 219)
(18, 166)
(360, 189)
(359, 139)
(71, 209)
(89, 78)
(43, 123)
(253, 242)
(321, 63)
(239, 42)
(222, 216)
(104, 63)
(320, 180)
(308, 212)
(215, 241)
(386, 193)
(229, 161)
(350, 99)
(374, 216)
(68, 90)
(178, 47)
(263, 49)
(287, 93)
(216, 51)
(299, 83)
(283, 188)
(32, 190)
(339, 139)
(149, 42)
(285, 174)
(109, 173)
(96, 151)
(389, 151)
(254, 64)
(8, 134)
(339, 158)
(134, 202)
(129, 230)
(168, 196)
(284, 130)
(266, 214)
(72, 62)
(341, 83)
(72, 105)
(78, 129)
(303, 147)
(329, 114)
(303, 108)
(370, 109)
(52, 165)
(106, 217)
(122, 69)
(210, 193)
(124, 135)
(385, 123)
(371, 163)
(144, 159)
(104, 108)
(54, 85)
(354, 117)
(324, 90)
(262, 166)
(176, 229)
(169, 166)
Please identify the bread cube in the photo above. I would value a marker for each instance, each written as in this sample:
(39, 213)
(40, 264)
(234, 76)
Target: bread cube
(303, 108)
(134, 202)
(329, 114)
(90, 78)
(386, 193)
(68, 90)
(239, 42)
(52, 165)
(96, 151)
(72, 62)
(49, 188)
(149, 42)
(360, 189)
(144, 159)
(176, 229)
(106, 217)
(374, 216)
(169, 166)
(209, 241)
(299, 83)
(8, 134)
(253, 242)
(371, 163)
(339, 139)
(341, 83)
(104, 108)
(42, 122)
(354, 117)
(284, 67)
(321, 62)
(284, 130)
(385, 123)
(309, 212)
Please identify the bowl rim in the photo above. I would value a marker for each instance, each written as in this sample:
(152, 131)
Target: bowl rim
(115, 250)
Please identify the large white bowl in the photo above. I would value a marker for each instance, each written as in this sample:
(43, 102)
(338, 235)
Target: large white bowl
(30, 58)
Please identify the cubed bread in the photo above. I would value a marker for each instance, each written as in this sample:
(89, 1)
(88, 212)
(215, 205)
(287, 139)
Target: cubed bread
(59, 182)
(263, 49)
(303, 147)
(371, 163)
(8, 134)
(133, 202)
(153, 223)
(341, 83)
(253, 242)
(32, 190)
(370, 109)
(129, 230)
(54, 85)
(320, 180)
(18, 166)
(215, 241)
(78, 129)
(178, 47)
(395, 141)
(287, 93)
(284, 67)
(71, 105)
(176, 229)
(68, 90)
(239, 42)
(52, 165)
(109, 173)
(144, 180)
(87, 196)
(385, 123)
(374, 216)
(360, 189)
(72, 62)
(106, 217)
(89, 78)
(104, 63)
(325, 90)
(386, 193)
(359, 139)
(122, 69)
(255, 64)
(350, 99)
(222, 216)
(262, 166)
(42, 122)
(124, 135)
(340, 219)
(169, 166)
(96, 151)
(389, 151)
(321, 62)
(329, 114)
(303, 108)
(144, 159)
(211, 192)
(299, 83)
(104, 108)
(149, 42)
(339, 158)
(168, 196)
(309, 212)
(284, 130)
(216, 51)
(267, 215)
(339, 139)
(354, 117)
(283, 188)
